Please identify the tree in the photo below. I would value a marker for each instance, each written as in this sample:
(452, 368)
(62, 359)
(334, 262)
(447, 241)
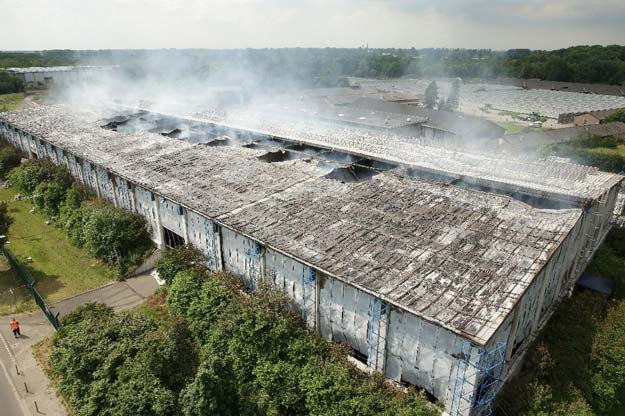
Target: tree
(114, 235)
(213, 392)
(9, 83)
(431, 95)
(27, 176)
(185, 257)
(124, 364)
(616, 116)
(48, 197)
(9, 159)
(5, 219)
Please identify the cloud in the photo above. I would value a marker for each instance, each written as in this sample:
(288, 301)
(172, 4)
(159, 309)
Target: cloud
(498, 24)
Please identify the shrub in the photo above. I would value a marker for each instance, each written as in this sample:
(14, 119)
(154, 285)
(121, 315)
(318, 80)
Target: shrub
(213, 392)
(126, 364)
(114, 235)
(5, 219)
(27, 176)
(48, 197)
(185, 257)
(616, 116)
(9, 158)
(279, 367)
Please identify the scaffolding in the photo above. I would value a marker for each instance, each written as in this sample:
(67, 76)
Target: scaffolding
(376, 334)
(478, 379)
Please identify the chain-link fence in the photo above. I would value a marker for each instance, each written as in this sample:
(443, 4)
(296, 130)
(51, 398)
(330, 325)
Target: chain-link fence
(29, 281)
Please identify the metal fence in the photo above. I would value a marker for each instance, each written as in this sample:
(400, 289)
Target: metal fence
(30, 282)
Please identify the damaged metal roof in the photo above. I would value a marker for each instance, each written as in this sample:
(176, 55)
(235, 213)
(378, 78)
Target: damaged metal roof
(453, 256)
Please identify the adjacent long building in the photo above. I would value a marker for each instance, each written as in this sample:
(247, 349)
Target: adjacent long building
(435, 266)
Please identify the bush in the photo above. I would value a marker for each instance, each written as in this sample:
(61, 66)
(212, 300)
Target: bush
(10, 83)
(117, 237)
(616, 116)
(48, 197)
(5, 219)
(185, 257)
(213, 392)
(26, 177)
(9, 158)
(126, 364)
(113, 235)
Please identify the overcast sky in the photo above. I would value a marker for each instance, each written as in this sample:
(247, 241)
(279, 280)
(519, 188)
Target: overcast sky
(496, 24)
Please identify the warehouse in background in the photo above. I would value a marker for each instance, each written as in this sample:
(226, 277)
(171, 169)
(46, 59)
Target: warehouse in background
(59, 75)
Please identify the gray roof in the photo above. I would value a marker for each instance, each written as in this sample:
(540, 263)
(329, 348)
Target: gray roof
(32, 69)
(454, 122)
(538, 84)
(455, 257)
(539, 178)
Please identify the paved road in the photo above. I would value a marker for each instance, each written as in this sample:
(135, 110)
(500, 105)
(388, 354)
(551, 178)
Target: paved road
(8, 400)
(10, 406)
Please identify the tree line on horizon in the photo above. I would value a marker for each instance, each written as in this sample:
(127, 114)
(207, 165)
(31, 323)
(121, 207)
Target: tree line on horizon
(329, 67)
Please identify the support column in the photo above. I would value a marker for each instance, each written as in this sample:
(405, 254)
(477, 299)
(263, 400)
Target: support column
(376, 338)
(96, 175)
(317, 301)
(157, 213)
(113, 187)
(185, 225)
(219, 254)
(81, 170)
(133, 197)
(512, 335)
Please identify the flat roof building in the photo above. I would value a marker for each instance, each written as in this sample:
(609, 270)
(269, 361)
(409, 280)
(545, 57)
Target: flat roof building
(59, 75)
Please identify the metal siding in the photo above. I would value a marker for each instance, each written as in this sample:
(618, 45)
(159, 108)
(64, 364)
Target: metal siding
(124, 196)
(171, 216)
(145, 207)
(344, 314)
(420, 353)
(106, 185)
(295, 279)
(204, 235)
(241, 257)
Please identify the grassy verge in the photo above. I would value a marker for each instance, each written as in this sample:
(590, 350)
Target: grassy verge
(512, 128)
(11, 102)
(14, 297)
(61, 270)
(577, 365)
(606, 153)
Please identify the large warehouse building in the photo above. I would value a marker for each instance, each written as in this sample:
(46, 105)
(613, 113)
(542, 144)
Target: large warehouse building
(60, 75)
(437, 267)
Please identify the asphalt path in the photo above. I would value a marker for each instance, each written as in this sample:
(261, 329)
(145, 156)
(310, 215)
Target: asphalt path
(9, 401)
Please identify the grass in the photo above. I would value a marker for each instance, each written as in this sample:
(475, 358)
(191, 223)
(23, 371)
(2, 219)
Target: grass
(512, 127)
(60, 269)
(11, 102)
(14, 297)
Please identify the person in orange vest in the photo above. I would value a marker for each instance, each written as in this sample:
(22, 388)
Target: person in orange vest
(15, 327)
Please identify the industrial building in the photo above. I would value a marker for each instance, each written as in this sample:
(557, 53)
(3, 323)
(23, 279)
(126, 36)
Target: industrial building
(436, 266)
(59, 75)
